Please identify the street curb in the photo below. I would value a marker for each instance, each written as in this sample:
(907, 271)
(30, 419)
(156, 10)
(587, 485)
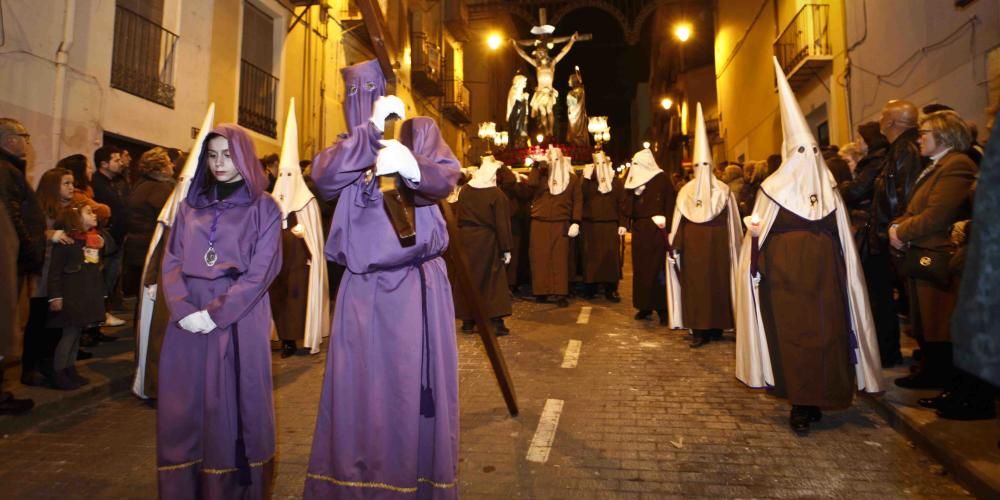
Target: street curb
(960, 469)
(41, 413)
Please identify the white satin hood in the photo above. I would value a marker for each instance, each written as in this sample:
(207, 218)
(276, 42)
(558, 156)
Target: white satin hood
(290, 189)
(643, 169)
(705, 197)
(560, 170)
(486, 175)
(605, 174)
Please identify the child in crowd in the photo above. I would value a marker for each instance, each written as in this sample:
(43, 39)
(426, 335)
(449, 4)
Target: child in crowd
(75, 288)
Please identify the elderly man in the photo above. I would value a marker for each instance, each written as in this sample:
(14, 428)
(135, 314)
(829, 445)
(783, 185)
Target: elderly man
(24, 254)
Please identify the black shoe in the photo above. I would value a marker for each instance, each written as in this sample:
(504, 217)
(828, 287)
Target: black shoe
(891, 360)
(969, 410)
(698, 340)
(562, 302)
(920, 380)
(82, 355)
(288, 348)
(76, 377)
(612, 296)
(937, 402)
(33, 379)
(716, 334)
(815, 415)
(88, 340)
(9, 405)
(643, 315)
(542, 299)
(468, 326)
(105, 338)
(663, 317)
(64, 382)
(799, 419)
(499, 328)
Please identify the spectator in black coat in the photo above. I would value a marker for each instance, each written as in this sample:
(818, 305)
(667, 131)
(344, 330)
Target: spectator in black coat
(154, 185)
(111, 188)
(19, 198)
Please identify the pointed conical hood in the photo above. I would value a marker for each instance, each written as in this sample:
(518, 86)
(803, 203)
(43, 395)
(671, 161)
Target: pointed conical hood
(290, 190)
(169, 210)
(802, 184)
(702, 199)
(643, 169)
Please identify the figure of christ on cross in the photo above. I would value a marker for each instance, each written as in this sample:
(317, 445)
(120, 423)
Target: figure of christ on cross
(545, 95)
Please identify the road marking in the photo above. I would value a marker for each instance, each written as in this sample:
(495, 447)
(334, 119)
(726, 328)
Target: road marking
(541, 443)
(572, 354)
(584, 316)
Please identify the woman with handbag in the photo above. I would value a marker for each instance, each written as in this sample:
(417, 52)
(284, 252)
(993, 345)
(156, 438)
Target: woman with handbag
(940, 199)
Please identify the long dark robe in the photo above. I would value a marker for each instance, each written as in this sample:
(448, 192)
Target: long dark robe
(705, 272)
(551, 217)
(484, 225)
(804, 309)
(519, 196)
(602, 216)
(290, 289)
(649, 245)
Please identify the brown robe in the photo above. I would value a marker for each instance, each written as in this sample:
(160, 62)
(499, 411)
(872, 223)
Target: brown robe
(519, 196)
(602, 216)
(940, 198)
(705, 272)
(289, 291)
(551, 217)
(484, 226)
(649, 244)
(159, 319)
(803, 306)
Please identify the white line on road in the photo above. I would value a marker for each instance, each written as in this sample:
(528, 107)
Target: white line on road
(584, 316)
(572, 354)
(541, 444)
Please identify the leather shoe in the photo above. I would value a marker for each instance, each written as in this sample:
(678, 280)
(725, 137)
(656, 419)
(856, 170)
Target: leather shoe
(815, 415)
(799, 419)
(937, 402)
(468, 326)
(105, 338)
(562, 302)
(919, 380)
(698, 340)
(9, 405)
(643, 314)
(288, 349)
(612, 296)
(88, 340)
(663, 317)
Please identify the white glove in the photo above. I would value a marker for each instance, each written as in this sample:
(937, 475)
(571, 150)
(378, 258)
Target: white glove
(506, 257)
(396, 158)
(198, 322)
(385, 107)
(299, 231)
(673, 257)
(753, 224)
(621, 231)
(640, 189)
(574, 230)
(660, 221)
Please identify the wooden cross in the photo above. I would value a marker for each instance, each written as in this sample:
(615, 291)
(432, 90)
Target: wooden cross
(546, 38)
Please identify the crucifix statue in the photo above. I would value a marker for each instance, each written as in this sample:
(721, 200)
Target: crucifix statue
(545, 95)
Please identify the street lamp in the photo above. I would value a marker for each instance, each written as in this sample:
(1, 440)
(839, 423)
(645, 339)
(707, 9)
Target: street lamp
(598, 127)
(487, 131)
(494, 41)
(666, 103)
(501, 139)
(682, 31)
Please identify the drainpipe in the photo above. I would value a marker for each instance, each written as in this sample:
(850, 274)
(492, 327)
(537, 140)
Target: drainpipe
(62, 59)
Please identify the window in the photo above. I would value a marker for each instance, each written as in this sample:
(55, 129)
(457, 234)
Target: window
(258, 85)
(142, 60)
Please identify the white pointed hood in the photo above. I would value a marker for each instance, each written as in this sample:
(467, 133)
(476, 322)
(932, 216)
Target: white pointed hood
(560, 170)
(704, 198)
(605, 174)
(486, 175)
(643, 169)
(169, 210)
(802, 184)
(290, 189)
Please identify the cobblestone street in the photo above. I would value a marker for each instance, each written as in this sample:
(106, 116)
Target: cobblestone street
(643, 416)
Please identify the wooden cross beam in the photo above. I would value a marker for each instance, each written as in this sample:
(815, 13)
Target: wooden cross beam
(382, 41)
(542, 20)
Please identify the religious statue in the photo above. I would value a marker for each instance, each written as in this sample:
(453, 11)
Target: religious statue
(576, 104)
(517, 112)
(544, 98)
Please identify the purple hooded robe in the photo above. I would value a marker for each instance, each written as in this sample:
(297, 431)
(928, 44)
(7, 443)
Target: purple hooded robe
(388, 418)
(202, 401)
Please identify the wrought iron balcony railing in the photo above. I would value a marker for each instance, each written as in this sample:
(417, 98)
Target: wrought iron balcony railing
(805, 43)
(142, 60)
(258, 95)
(456, 106)
(426, 64)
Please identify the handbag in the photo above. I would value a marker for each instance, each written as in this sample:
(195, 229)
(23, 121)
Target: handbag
(928, 265)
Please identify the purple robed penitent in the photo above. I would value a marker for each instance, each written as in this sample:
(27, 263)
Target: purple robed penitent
(202, 402)
(393, 333)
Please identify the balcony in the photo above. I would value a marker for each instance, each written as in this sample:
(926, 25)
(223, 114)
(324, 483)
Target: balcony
(456, 102)
(258, 94)
(456, 19)
(142, 60)
(426, 65)
(803, 48)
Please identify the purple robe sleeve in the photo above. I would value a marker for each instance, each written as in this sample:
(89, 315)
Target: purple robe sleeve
(340, 165)
(253, 284)
(437, 179)
(172, 279)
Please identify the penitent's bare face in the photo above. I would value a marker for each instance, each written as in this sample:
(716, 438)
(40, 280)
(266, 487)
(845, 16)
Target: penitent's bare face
(220, 162)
